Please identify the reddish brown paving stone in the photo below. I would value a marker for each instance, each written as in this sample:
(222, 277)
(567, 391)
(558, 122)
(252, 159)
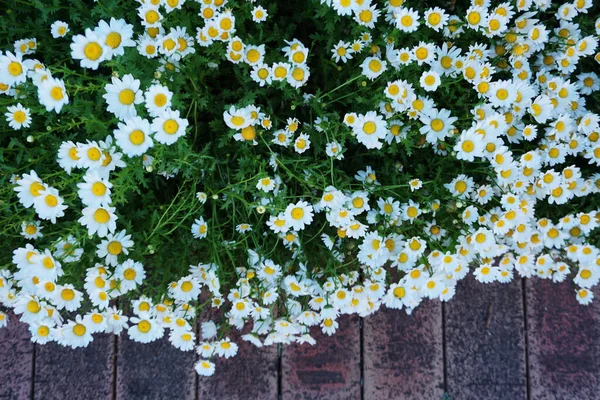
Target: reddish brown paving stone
(155, 370)
(563, 342)
(330, 369)
(16, 360)
(250, 375)
(485, 341)
(82, 373)
(403, 354)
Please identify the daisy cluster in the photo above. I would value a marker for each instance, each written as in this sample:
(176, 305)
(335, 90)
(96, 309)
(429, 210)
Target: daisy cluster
(34, 290)
(220, 27)
(500, 95)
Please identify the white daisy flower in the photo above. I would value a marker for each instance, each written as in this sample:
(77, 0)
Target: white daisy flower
(435, 18)
(342, 52)
(32, 230)
(157, 99)
(298, 75)
(12, 69)
(238, 118)
(100, 220)
(299, 215)
(259, 14)
(59, 29)
(265, 184)
(116, 34)
(262, 74)
(407, 19)
(168, 127)
(18, 117)
(205, 368)
(95, 190)
(133, 136)
(370, 129)
(131, 274)
(145, 329)
(150, 15)
(199, 228)
(302, 143)
(373, 67)
(114, 245)
(122, 95)
(430, 81)
(90, 49)
(49, 205)
(74, 334)
(53, 94)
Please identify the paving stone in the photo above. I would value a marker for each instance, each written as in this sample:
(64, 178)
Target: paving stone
(251, 375)
(485, 341)
(403, 354)
(16, 360)
(82, 373)
(563, 343)
(154, 371)
(330, 369)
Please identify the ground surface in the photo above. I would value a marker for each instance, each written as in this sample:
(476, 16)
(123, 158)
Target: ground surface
(525, 340)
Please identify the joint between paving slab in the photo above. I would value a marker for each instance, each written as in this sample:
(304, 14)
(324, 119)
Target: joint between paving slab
(362, 358)
(32, 394)
(114, 367)
(279, 371)
(444, 359)
(526, 335)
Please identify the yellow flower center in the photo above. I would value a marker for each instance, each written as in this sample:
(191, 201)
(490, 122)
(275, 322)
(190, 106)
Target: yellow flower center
(460, 186)
(57, 93)
(433, 19)
(19, 116)
(298, 57)
(369, 127)
(98, 188)
(253, 56)
(129, 274)
(422, 53)
(399, 292)
(280, 72)
(113, 40)
(115, 248)
(186, 286)
(67, 294)
(92, 51)
(15, 68)
(297, 213)
(127, 96)
(171, 126)
(51, 200)
(152, 16)
(101, 216)
(249, 132)
(33, 307)
(298, 74)
(468, 146)
(79, 330)
(160, 100)
(437, 124)
(137, 137)
(144, 326)
(586, 274)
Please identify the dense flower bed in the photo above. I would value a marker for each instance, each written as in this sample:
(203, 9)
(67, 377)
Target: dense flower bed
(269, 167)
